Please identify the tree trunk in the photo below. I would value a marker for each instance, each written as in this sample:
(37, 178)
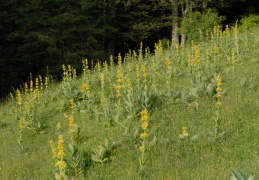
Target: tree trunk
(185, 9)
(111, 34)
(175, 22)
(205, 5)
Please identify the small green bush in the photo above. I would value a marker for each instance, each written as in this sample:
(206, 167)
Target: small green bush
(197, 25)
(250, 21)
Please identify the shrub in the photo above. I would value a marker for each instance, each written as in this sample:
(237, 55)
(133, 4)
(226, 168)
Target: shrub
(196, 25)
(249, 21)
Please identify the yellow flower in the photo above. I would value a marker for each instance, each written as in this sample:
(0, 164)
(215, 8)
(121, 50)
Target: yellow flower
(119, 80)
(62, 164)
(141, 147)
(54, 151)
(144, 118)
(218, 103)
(71, 118)
(72, 125)
(219, 96)
(118, 87)
(58, 126)
(61, 146)
(219, 83)
(72, 131)
(219, 89)
(144, 112)
(120, 75)
(144, 135)
(185, 133)
(72, 104)
(61, 154)
(144, 125)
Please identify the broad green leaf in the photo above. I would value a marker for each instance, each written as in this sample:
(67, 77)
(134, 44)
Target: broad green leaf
(237, 175)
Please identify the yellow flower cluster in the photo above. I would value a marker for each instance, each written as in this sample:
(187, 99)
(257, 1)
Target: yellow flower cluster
(61, 164)
(219, 91)
(144, 119)
(41, 83)
(144, 73)
(71, 118)
(185, 133)
(129, 82)
(61, 152)
(74, 73)
(19, 95)
(26, 87)
(31, 85)
(37, 84)
(85, 64)
(119, 80)
(102, 79)
(144, 115)
(53, 148)
(138, 73)
(11, 95)
(46, 82)
(168, 63)
(72, 124)
(72, 104)
(86, 87)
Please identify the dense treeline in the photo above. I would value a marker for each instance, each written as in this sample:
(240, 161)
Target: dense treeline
(37, 34)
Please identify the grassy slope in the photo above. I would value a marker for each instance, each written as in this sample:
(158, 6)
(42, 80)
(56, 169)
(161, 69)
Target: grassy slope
(171, 157)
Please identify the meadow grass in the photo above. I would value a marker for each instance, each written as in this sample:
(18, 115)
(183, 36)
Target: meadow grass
(188, 136)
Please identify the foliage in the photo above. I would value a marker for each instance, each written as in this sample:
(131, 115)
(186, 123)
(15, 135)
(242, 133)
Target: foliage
(250, 21)
(197, 25)
(237, 176)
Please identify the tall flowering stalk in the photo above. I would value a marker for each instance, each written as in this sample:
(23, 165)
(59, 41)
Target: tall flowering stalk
(169, 74)
(85, 91)
(143, 147)
(120, 79)
(85, 67)
(138, 76)
(119, 82)
(72, 120)
(59, 154)
(73, 156)
(145, 87)
(46, 82)
(217, 118)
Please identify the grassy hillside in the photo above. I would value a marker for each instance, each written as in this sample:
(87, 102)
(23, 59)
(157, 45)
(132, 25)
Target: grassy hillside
(183, 113)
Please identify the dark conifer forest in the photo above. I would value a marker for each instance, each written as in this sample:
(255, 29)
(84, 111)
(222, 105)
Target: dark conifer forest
(37, 37)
